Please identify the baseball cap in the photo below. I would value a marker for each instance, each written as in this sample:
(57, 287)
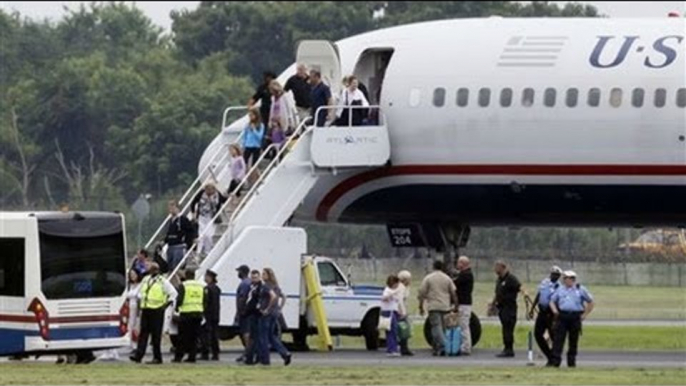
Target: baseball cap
(556, 269)
(570, 274)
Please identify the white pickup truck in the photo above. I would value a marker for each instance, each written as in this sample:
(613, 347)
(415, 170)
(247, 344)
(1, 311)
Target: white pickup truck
(351, 310)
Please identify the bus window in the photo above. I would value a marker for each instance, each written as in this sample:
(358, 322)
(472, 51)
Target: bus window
(82, 258)
(12, 266)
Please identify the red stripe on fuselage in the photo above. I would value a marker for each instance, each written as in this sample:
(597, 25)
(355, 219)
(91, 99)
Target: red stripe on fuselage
(529, 170)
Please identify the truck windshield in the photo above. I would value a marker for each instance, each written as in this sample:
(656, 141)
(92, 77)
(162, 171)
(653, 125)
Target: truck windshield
(82, 257)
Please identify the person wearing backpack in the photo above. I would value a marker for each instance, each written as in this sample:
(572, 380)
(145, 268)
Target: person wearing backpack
(205, 206)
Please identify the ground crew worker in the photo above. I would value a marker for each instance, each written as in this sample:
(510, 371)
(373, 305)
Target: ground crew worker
(190, 308)
(507, 287)
(211, 309)
(156, 294)
(544, 320)
(570, 304)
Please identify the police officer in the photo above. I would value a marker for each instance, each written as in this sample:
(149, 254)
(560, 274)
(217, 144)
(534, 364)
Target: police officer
(211, 310)
(507, 287)
(156, 294)
(190, 308)
(544, 320)
(571, 304)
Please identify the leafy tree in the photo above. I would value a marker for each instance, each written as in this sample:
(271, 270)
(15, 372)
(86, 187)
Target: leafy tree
(255, 36)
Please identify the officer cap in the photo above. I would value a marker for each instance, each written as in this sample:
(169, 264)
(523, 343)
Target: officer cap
(570, 274)
(211, 274)
(556, 269)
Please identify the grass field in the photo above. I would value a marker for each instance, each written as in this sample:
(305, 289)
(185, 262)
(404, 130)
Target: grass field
(612, 302)
(22, 374)
(620, 338)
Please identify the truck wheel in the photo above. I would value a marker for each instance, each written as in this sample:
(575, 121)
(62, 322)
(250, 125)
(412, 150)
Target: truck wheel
(227, 333)
(474, 328)
(370, 330)
(84, 357)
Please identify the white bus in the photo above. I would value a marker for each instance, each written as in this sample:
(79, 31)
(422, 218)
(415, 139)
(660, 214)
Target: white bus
(62, 283)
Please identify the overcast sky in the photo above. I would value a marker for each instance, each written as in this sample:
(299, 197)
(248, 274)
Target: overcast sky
(159, 11)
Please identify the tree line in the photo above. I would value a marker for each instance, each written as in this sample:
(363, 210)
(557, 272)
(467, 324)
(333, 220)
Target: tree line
(102, 106)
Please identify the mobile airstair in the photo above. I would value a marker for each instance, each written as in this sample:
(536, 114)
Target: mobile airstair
(277, 184)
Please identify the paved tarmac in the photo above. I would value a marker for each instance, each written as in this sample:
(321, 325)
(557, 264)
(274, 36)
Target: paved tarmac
(483, 358)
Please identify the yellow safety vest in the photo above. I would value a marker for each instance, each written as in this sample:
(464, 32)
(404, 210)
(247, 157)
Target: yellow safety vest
(192, 298)
(154, 296)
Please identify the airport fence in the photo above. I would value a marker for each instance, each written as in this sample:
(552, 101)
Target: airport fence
(599, 273)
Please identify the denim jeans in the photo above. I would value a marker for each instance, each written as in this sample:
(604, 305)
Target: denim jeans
(392, 334)
(175, 255)
(267, 338)
(437, 330)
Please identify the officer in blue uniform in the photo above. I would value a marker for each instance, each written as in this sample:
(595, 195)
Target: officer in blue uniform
(544, 320)
(570, 304)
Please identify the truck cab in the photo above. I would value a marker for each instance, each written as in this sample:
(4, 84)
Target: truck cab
(350, 309)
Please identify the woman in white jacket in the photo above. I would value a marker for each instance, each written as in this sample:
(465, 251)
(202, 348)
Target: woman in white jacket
(282, 114)
(391, 307)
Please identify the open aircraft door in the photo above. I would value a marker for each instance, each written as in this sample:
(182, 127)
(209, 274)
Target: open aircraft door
(321, 55)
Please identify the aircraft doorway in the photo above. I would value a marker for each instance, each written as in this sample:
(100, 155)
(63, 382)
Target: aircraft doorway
(370, 70)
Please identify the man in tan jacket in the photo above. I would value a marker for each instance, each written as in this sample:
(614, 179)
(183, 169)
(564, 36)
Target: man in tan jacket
(437, 295)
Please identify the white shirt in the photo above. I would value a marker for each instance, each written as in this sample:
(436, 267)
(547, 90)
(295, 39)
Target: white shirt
(347, 98)
(392, 298)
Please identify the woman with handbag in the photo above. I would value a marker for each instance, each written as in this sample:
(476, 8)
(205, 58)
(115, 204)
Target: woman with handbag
(388, 320)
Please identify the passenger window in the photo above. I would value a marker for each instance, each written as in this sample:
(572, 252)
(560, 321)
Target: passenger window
(12, 266)
(439, 97)
(506, 97)
(463, 97)
(528, 97)
(329, 275)
(549, 97)
(572, 97)
(484, 97)
(681, 97)
(616, 97)
(637, 97)
(415, 97)
(660, 97)
(594, 97)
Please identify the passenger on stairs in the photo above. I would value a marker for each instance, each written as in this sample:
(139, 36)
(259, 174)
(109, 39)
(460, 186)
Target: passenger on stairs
(320, 97)
(205, 206)
(282, 111)
(299, 86)
(352, 96)
(180, 235)
(263, 95)
(253, 135)
(237, 169)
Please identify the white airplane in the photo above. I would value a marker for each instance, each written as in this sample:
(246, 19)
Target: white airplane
(515, 122)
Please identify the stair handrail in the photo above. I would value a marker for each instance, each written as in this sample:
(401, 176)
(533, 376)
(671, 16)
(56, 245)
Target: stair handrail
(253, 169)
(350, 108)
(226, 112)
(221, 150)
(301, 129)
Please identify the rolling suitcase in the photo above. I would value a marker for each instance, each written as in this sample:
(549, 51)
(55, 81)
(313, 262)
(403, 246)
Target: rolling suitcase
(453, 341)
